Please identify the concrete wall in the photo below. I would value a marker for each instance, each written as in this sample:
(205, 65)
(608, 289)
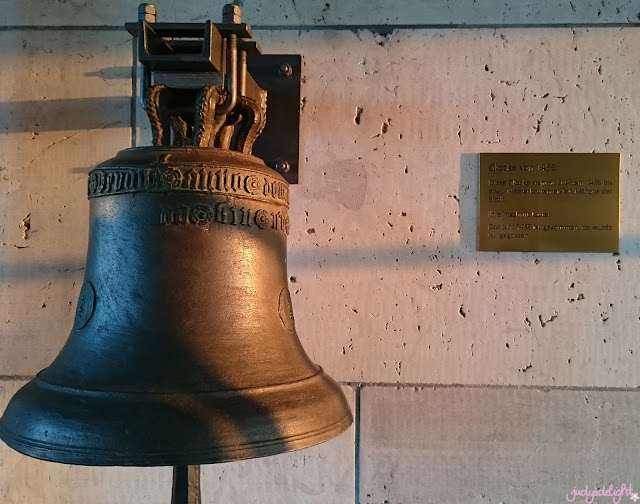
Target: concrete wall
(474, 377)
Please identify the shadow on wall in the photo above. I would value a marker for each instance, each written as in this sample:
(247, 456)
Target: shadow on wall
(113, 112)
(417, 254)
(342, 259)
(66, 114)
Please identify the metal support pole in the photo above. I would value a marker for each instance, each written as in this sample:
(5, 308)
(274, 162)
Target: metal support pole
(186, 485)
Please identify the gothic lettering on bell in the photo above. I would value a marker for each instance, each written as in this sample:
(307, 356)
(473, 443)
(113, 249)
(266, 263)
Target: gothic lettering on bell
(114, 182)
(202, 215)
(201, 181)
(178, 214)
(220, 179)
(236, 182)
(276, 220)
(246, 217)
(169, 178)
(226, 181)
(153, 179)
(280, 222)
(181, 214)
(190, 179)
(95, 182)
(237, 215)
(276, 189)
(131, 180)
(222, 212)
(166, 215)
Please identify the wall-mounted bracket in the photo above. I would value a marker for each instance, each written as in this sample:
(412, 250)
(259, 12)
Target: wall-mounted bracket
(183, 63)
(279, 143)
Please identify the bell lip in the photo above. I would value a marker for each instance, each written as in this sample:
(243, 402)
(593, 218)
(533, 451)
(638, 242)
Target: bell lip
(325, 387)
(189, 155)
(235, 453)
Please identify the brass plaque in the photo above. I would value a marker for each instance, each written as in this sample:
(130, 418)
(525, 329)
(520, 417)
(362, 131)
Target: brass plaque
(549, 202)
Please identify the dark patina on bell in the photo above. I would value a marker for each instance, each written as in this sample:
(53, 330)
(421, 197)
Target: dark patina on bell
(184, 349)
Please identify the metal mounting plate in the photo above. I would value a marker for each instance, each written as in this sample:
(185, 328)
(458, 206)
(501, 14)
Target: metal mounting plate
(280, 140)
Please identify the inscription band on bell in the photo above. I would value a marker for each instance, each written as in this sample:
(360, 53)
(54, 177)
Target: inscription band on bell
(203, 215)
(218, 180)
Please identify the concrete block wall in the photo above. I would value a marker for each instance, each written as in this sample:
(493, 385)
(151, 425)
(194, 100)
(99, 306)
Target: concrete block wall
(474, 377)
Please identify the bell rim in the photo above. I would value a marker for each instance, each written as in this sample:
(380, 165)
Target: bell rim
(247, 451)
(317, 396)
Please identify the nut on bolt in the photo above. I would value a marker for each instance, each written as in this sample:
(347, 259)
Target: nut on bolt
(286, 70)
(283, 166)
(231, 14)
(147, 12)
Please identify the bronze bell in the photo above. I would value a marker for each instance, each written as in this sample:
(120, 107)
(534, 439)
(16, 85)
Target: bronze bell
(184, 349)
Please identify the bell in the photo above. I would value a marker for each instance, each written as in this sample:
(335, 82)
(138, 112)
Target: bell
(184, 349)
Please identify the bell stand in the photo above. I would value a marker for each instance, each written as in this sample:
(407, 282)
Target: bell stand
(224, 70)
(186, 485)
